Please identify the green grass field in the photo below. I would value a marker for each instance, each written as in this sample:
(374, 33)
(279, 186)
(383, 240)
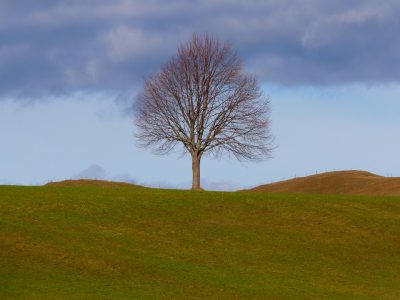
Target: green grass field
(138, 243)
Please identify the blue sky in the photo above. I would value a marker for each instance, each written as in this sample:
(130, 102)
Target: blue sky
(69, 75)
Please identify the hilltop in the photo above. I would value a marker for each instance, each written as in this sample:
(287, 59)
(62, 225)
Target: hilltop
(337, 183)
(90, 182)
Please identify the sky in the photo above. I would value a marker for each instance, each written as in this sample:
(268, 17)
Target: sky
(69, 72)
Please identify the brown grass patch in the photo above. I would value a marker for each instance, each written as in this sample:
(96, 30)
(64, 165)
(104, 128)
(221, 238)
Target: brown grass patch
(337, 183)
(90, 182)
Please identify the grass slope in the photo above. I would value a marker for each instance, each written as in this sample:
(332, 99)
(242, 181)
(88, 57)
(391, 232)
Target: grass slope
(139, 243)
(337, 183)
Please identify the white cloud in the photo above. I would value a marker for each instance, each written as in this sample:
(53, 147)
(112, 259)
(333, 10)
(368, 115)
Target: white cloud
(99, 173)
(92, 172)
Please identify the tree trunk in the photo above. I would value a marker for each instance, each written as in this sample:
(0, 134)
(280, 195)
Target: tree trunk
(196, 172)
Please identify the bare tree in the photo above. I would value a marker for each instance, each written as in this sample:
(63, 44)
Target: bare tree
(203, 100)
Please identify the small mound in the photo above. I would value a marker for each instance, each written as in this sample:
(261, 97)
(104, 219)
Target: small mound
(337, 183)
(90, 182)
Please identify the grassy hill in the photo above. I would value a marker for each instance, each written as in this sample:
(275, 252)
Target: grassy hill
(337, 183)
(137, 243)
(90, 182)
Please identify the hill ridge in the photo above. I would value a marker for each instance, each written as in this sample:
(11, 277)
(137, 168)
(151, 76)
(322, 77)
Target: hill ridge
(90, 182)
(346, 182)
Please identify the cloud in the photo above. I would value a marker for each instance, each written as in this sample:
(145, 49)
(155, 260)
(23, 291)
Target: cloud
(92, 172)
(125, 43)
(52, 47)
(99, 173)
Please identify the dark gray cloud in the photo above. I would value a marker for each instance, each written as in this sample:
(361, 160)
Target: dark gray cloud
(64, 46)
